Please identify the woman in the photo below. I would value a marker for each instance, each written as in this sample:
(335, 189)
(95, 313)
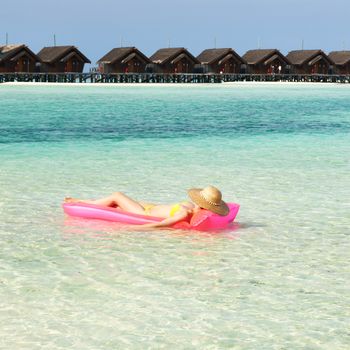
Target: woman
(209, 198)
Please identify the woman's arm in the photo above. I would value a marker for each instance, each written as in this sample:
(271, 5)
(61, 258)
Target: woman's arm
(181, 215)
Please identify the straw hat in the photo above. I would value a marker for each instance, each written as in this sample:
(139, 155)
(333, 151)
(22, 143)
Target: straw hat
(209, 198)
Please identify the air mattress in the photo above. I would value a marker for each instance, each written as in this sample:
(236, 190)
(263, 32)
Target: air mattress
(203, 220)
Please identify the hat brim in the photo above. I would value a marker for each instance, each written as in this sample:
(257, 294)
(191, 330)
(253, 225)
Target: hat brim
(220, 209)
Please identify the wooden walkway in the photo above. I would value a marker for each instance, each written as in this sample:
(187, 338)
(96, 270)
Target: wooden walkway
(166, 78)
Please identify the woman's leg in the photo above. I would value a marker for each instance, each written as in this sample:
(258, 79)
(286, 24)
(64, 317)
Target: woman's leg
(116, 199)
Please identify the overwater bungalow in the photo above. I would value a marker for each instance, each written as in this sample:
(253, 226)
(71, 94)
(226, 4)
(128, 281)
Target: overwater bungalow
(172, 60)
(123, 60)
(266, 61)
(225, 61)
(341, 61)
(17, 59)
(62, 59)
(310, 62)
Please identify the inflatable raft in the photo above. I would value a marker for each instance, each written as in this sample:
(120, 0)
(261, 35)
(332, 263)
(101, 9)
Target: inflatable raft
(204, 220)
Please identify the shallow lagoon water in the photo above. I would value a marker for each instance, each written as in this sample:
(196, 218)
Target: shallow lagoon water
(278, 280)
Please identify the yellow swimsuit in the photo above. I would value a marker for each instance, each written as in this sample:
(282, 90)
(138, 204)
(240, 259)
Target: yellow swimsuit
(173, 210)
(176, 207)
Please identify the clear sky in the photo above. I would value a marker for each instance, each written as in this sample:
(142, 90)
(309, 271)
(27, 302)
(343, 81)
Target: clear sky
(95, 27)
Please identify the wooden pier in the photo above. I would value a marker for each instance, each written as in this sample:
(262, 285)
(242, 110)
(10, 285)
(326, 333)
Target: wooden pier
(91, 78)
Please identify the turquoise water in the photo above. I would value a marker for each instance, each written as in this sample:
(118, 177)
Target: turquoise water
(279, 280)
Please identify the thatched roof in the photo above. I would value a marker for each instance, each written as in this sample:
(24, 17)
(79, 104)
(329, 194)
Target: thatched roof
(299, 57)
(163, 56)
(254, 57)
(340, 57)
(10, 51)
(122, 54)
(53, 54)
(209, 56)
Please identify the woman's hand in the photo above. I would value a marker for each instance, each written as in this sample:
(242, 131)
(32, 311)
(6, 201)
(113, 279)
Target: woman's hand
(179, 216)
(150, 225)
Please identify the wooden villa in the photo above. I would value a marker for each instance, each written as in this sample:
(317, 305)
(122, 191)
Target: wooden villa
(172, 60)
(225, 61)
(62, 59)
(310, 62)
(266, 61)
(341, 61)
(17, 59)
(123, 60)
(172, 65)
